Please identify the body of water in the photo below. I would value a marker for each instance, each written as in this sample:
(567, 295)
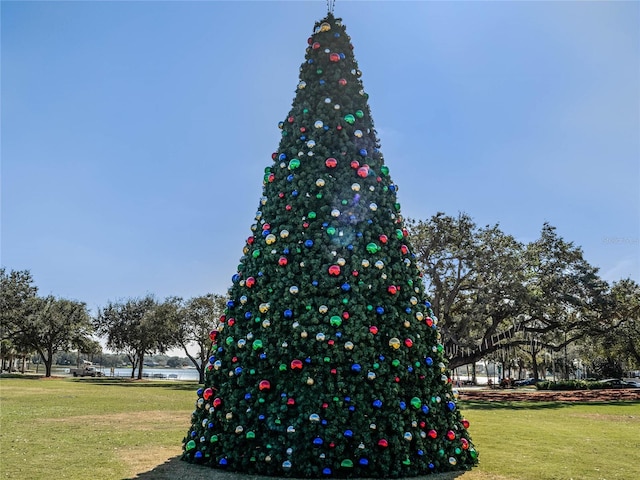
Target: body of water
(151, 373)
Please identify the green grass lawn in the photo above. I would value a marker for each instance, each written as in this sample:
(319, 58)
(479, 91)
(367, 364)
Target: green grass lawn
(104, 429)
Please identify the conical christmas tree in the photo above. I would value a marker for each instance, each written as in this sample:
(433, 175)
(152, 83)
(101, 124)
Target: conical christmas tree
(328, 361)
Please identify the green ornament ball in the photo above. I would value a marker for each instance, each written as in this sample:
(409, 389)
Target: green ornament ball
(372, 248)
(294, 163)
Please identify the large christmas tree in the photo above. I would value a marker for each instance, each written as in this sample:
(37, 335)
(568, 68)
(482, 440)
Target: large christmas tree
(328, 361)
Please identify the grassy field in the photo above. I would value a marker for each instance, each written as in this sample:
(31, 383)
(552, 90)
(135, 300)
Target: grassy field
(105, 429)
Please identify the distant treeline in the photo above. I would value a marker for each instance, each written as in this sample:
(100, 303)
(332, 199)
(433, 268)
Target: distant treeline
(118, 360)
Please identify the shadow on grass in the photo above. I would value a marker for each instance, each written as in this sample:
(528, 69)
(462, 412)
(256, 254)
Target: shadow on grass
(25, 376)
(509, 405)
(127, 382)
(176, 469)
(524, 405)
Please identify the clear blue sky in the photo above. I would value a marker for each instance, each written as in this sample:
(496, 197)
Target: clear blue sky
(135, 134)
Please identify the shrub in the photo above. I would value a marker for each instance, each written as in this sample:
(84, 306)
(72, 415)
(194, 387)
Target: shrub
(564, 385)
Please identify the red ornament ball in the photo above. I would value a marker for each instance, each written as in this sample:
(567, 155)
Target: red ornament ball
(432, 433)
(334, 57)
(315, 45)
(363, 172)
(334, 270)
(207, 393)
(408, 342)
(250, 282)
(383, 238)
(373, 329)
(451, 435)
(213, 335)
(217, 402)
(392, 289)
(355, 164)
(296, 364)
(383, 443)
(465, 423)
(282, 261)
(342, 81)
(264, 385)
(331, 162)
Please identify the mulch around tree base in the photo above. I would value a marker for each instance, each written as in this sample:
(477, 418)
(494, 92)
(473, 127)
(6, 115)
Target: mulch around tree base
(526, 395)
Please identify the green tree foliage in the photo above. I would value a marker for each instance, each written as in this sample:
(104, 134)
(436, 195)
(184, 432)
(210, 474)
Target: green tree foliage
(17, 302)
(493, 294)
(17, 291)
(57, 324)
(625, 343)
(615, 344)
(43, 325)
(139, 327)
(565, 296)
(328, 362)
(475, 278)
(198, 317)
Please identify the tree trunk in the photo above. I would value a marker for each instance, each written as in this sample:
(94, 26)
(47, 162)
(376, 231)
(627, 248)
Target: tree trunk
(132, 359)
(140, 364)
(48, 362)
(199, 365)
(47, 366)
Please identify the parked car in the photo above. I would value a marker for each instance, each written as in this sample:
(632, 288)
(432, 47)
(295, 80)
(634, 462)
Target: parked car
(526, 381)
(617, 383)
(86, 371)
